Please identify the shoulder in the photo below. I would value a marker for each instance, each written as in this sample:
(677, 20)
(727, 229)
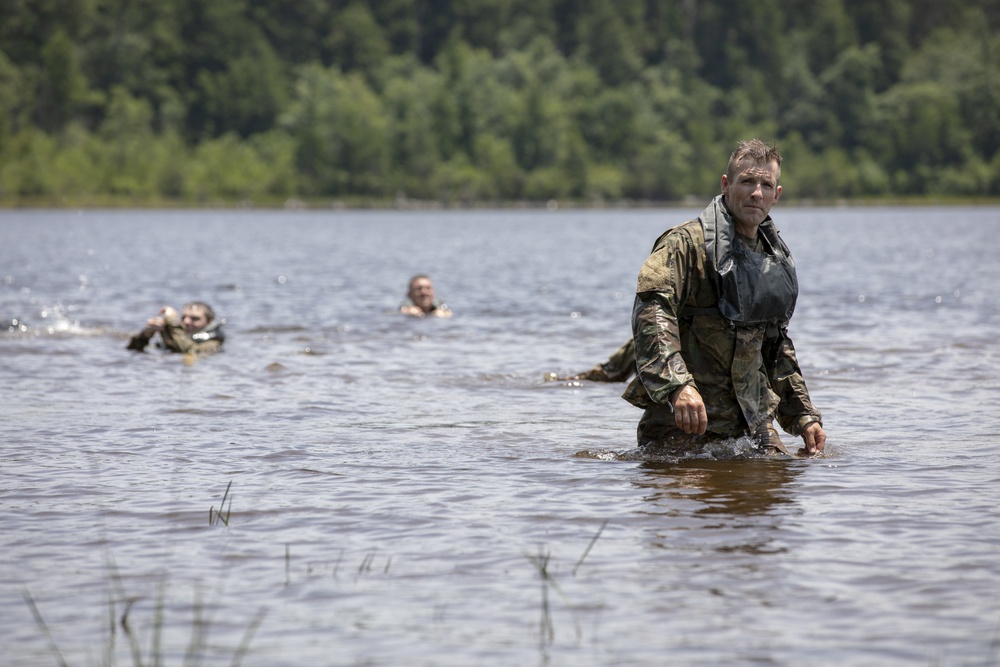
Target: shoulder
(685, 243)
(673, 253)
(685, 235)
(691, 231)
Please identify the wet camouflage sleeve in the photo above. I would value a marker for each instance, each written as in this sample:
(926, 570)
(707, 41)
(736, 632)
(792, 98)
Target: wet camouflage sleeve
(660, 294)
(139, 342)
(795, 409)
(177, 340)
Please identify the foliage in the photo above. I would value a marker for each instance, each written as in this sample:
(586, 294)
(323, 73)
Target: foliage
(156, 101)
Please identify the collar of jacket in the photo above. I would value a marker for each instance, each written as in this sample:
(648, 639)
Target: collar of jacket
(752, 287)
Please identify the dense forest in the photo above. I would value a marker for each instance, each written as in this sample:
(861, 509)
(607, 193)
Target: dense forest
(463, 101)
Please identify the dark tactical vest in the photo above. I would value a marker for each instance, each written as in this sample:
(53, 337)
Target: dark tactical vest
(753, 288)
(213, 331)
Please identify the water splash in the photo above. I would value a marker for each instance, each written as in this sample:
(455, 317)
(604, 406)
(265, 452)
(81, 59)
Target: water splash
(728, 449)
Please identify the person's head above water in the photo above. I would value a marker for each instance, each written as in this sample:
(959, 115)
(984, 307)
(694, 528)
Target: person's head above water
(750, 184)
(196, 315)
(421, 300)
(421, 292)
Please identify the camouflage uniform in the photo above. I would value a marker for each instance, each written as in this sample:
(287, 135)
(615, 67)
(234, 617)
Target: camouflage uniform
(176, 339)
(618, 368)
(746, 375)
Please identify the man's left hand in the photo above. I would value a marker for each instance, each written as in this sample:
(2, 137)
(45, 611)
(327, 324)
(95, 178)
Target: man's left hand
(814, 437)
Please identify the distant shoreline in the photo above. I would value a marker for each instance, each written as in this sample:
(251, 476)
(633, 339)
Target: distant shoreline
(405, 204)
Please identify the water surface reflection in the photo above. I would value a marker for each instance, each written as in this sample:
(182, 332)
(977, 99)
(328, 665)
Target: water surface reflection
(721, 487)
(720, 507)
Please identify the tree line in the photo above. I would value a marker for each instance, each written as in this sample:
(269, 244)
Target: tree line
(460, 101)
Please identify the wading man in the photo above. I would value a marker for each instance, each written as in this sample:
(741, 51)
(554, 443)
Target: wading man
(713, 301)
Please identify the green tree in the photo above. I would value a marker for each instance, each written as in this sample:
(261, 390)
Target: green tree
(408, 94)
(967, 63)
(610, 125)
(297, 31)
(400, 21)
(11, 102)
(849, 93)
(341, 131)
(917, 127)
(609, 39)
(494, 156)
(356, 41)
(463, 99)
(25, 170)
(828, 29)
(230, 168)
(247, 95)
(127, 134)
(62, 85)
(885, 23)
(740, 43)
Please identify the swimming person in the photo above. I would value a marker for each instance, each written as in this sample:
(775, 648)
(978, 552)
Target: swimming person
(710, 322)
(195, 330)
(421, 301)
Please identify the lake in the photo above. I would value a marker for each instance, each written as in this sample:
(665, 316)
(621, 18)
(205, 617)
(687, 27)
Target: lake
(402, 491)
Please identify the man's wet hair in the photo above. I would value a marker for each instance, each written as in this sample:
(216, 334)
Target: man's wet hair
(419, 276)
(755, 150)
(209, 313)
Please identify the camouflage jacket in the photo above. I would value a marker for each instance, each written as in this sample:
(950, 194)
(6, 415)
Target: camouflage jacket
(746, 372)
(175, 339)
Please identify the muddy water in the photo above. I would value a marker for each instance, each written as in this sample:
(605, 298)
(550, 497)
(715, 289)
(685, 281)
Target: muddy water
(412, 492)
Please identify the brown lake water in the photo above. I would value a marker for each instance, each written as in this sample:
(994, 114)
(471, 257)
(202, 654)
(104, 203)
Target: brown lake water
(411, 492)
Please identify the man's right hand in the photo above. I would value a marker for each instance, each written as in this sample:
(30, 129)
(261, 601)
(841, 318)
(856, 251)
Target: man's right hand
(155, 324)
(170, 316)
(689, 411)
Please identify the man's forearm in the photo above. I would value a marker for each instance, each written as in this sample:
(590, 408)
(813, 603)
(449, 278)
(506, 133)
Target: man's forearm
(660, 366)
(795, 410)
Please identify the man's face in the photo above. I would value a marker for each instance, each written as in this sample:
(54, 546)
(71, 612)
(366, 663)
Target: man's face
(422, 294)
(752, 192)
(194, 319)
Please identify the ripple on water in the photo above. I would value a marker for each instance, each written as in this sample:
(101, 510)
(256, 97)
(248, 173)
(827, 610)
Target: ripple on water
(414, 492)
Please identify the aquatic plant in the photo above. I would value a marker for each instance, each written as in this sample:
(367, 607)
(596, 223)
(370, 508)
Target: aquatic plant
(541, 562)
(215, 515)
(546, 630)
(197, 647)
(40, 621)
(593, 541)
